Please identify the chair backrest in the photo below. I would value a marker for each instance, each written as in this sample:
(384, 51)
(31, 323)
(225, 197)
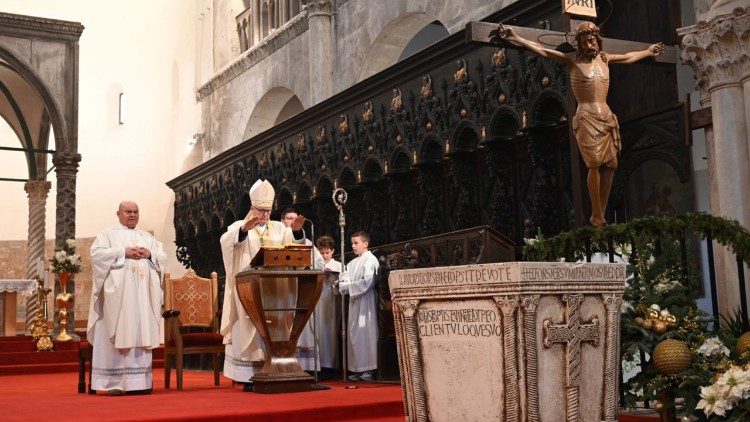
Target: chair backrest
(196, 298)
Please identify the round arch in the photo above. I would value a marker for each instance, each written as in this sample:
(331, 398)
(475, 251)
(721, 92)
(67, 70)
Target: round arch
(19, 74)
(275, 106)
(401, 38)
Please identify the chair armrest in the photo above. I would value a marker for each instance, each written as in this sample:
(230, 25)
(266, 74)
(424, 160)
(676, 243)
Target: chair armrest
(172, 327)
(170, 313)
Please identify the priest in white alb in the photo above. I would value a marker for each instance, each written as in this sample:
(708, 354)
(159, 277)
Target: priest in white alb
(242, 240)
(125, 321)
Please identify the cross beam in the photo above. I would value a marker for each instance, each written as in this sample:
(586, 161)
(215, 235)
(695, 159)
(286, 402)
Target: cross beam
(479, 32)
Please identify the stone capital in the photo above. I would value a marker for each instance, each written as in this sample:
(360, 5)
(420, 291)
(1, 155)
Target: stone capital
(718, 49)
(319, 8)
(37, 190)
(407, 307)
(66, 164)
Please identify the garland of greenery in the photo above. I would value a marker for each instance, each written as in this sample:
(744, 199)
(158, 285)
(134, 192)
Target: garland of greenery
(587, 239)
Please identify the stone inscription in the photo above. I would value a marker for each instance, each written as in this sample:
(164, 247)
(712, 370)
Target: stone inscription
(465, 322)
(589, 272)
(455, 276)
(505, 273)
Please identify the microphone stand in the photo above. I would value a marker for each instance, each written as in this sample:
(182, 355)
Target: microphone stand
(316, 347)
(339, 199)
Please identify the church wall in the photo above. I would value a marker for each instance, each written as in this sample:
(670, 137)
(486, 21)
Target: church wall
(357, 23)
(227, 110)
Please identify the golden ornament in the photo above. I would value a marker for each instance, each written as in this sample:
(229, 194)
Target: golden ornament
(671, 356)
(659, 327)
(743, 343)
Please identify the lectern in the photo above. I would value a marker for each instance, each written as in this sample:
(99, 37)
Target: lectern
(279, 291)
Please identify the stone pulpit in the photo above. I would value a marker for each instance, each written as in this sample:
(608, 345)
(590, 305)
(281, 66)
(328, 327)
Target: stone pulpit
(518, 341)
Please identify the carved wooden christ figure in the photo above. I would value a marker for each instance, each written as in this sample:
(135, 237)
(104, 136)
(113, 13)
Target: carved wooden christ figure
(596, 129)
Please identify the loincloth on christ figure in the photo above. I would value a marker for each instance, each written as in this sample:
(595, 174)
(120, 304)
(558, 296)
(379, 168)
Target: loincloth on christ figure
(598, 138)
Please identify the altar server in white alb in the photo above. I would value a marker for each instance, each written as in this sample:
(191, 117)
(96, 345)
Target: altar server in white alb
(125, 320)
(362, 333)
(326, 312)
(306, 343)
(242, 240)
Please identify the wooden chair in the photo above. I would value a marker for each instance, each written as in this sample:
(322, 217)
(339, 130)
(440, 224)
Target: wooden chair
(190, 302)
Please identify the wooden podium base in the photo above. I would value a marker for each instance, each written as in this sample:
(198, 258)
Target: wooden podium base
(273, 386)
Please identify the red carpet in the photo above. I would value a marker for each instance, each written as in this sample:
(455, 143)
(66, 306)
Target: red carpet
(42, 385)
(53, 396)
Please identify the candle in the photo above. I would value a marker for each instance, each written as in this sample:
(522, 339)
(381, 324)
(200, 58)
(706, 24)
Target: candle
(46, 280)
(39, 267)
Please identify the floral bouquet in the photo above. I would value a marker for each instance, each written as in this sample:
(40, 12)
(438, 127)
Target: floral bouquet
(727, 398)
(66, 260)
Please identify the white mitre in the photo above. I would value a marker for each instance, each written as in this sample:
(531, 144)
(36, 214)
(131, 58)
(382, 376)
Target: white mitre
(261, 195)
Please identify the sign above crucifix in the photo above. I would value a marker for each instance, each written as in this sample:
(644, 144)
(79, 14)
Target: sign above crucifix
(579, 7)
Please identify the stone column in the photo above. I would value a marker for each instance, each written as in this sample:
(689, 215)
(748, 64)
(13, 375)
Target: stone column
(321, 49)
(37, 191)
(256, 22)
(66, 167)
(717, 50)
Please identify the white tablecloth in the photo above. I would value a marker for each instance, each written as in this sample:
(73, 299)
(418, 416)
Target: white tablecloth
(25, 287)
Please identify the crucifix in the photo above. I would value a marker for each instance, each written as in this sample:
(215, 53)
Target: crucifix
(594, 127)
(572, 333)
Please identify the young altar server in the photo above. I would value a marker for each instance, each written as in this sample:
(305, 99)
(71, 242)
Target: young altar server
(362, 333)
(326, 312)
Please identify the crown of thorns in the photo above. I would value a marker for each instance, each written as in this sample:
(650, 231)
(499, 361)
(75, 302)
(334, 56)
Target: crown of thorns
(584, 29)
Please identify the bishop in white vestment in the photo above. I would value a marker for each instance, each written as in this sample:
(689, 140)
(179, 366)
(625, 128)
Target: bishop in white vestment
(125, 321)
(243, 239)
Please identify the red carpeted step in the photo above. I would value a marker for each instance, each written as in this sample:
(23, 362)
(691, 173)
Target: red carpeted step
(46, 368)
(28, 358)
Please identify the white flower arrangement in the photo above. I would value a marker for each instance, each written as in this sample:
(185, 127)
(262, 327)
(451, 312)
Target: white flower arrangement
(713, 346)
(66, 260)
(664, 285)
(726, 393)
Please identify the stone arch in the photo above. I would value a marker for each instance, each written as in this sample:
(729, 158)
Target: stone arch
(401, 38)
(275, 106)
(52, 108)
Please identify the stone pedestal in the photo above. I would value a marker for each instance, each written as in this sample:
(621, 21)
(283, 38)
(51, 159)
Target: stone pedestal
(513, 341)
